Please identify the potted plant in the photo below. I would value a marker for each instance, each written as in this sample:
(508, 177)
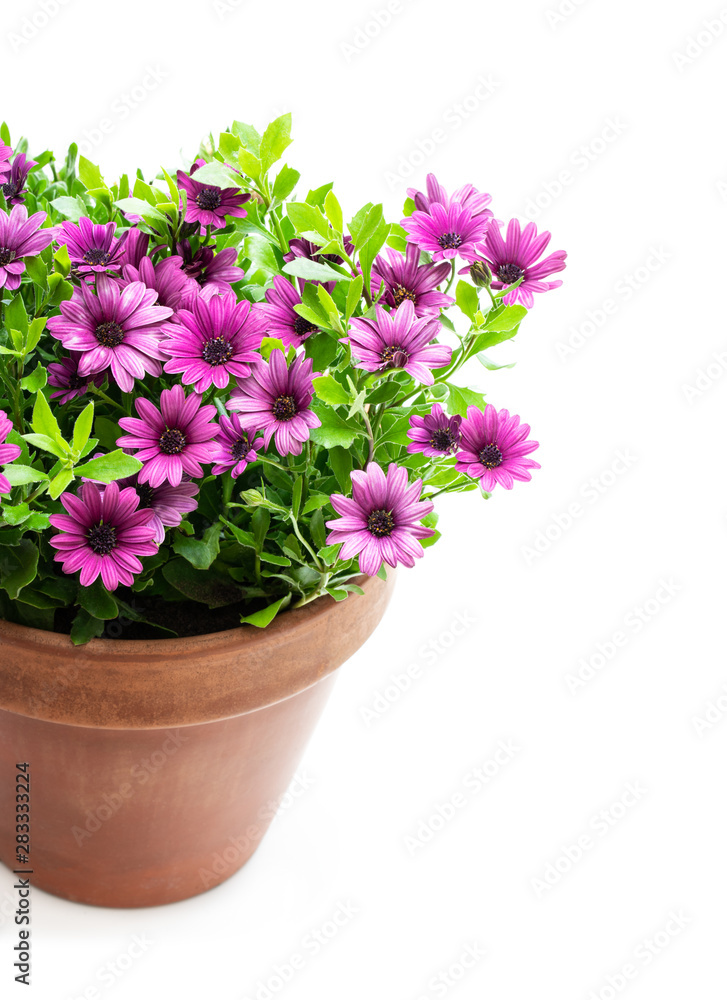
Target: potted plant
(226, 412)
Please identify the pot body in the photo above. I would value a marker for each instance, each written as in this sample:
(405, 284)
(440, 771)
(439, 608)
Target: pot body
(156, 766)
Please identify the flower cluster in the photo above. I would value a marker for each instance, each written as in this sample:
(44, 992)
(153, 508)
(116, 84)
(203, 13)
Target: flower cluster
(216, 393)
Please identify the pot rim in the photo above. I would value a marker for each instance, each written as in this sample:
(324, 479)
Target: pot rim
(162, 683)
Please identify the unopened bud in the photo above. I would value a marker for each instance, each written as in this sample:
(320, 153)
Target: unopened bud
(481, 274)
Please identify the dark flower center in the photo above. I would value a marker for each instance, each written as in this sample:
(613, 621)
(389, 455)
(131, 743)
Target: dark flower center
(380, 523)
(302, 327)
(510, 273)
(109, 334)
(443, 439)
(7, 256)
(401, 294)
(209, 199)
(217, 351)
(146, 494)
(240, 449)
(449, 241)
(172, 442)
(76, 381)
(490, 456)
(10, 190)
(96, 256)
(394, 356)
(285, 408)
(102, 538)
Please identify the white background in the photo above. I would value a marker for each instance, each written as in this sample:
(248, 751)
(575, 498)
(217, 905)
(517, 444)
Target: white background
(642, 218)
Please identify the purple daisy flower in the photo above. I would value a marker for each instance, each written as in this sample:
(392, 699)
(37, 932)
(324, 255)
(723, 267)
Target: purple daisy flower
(13, 186)
(8, 452)
(380, 522)
(468, 197)
(494, 445)
(63, 375)
(103, 533)
(447, 232)
(276, 400)
(208, 204)
(405, 278)
(517, 256)
(218, 338)
(398, 339)
(116, 328)
(435, 435)
(166, 278)
(234, 448)
(282, 321)
(170, 442)
(209, 269)
(5, 168)
(167, 503)
(92, 247)
(20, 237)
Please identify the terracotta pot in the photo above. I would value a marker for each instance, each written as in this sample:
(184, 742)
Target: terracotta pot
(156, 766)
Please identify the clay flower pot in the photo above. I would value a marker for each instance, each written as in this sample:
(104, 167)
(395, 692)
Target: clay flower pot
(155, 766)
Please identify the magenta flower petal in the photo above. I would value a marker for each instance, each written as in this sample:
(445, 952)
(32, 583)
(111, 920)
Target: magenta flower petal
(447, 232)
(518, 256)
(92, 247)
(404, 278)
(281, 319)
(234, 448)
(493, 448)
(207, 204)
(436, 434)
(20, 237)
(398, 339)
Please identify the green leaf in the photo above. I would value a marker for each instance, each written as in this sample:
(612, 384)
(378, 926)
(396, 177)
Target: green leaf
(216, 590)
(82, 429)
(37, 271)
(45, 443)
(240, 535)
(492, 365)
(285, 183)
(367, 255)
(98, 601)
(43, 420)
(17, 514)
(318, 529)
(334, 430)
(89, 174)
(35, 381)
(341, 462)
(308, 218)
(331, 391)
(137, 206)
(261, 619)
(216, 174)
(16, 318)
(276, 139)
(365, 224)
(317, 196)
(460, 399)
(72, 209)
(467, 299)
(311, 270)
(85, 627)
(108, 468)
(333, 211)
(248, 136)
(260, 523)
(60, 482)
(354, 296)
(254, 498)
(200, 552)
(274, 560)
(18, 566)
(337, 594)
(21, 475)
(315, 501)
(506, 318)
(35, 331)
(329, 553)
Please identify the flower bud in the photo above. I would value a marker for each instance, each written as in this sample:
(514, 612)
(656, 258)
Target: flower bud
(481, 274)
